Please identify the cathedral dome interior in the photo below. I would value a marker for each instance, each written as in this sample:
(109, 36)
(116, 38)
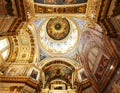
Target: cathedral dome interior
(59, 46)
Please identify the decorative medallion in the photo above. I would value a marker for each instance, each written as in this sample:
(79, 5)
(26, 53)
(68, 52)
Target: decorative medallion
(58, 28)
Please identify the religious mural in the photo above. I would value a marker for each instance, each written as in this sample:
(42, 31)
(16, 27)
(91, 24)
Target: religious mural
(50, 1)
(34, 74)
(60, 1)
(70, 1)
(58, 72)
(102, 67)
(81, 75)
(58, 28)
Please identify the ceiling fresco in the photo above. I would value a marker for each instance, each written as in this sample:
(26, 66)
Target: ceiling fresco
(59, 46)
(60, 2)
(57, 32)
(73, 55)
(58, 28)
(58, 71)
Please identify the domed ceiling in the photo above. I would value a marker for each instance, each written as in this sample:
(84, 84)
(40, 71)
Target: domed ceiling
(58, 35)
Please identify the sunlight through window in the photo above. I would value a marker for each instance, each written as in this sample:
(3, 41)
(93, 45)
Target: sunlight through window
(3, 44)
(4, 47)
(5, 53)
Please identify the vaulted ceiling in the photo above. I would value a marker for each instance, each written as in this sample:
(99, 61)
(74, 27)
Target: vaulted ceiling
(63, 38)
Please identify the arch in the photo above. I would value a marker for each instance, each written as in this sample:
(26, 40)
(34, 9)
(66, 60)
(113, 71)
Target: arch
(71, 62)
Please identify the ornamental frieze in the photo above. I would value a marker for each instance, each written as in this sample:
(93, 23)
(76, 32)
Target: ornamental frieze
(60, 9)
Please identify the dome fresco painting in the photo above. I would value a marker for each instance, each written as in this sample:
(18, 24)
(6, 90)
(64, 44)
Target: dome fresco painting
(58, 28)
(56, 71)
(58, 39)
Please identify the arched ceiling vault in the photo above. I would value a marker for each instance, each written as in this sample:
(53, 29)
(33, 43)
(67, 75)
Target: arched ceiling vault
(63, 53)
(74, 65)
(58, 69)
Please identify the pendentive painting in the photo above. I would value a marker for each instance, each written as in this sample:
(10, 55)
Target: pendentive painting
(83, 75)
(34, 74)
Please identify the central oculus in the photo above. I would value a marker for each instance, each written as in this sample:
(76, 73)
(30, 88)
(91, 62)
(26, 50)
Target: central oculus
(58, 28)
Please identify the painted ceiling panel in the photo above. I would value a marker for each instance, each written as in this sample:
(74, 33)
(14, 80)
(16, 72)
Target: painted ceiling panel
(58, 71)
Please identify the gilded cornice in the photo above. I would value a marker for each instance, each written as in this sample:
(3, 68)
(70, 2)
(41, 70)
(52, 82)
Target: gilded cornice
(50, 9)
(92, 10)
(19, 79)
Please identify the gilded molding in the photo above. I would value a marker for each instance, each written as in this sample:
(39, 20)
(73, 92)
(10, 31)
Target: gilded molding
(19, 79)
(60, 10)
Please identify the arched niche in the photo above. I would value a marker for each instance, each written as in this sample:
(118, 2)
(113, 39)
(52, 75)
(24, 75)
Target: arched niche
(58, 68)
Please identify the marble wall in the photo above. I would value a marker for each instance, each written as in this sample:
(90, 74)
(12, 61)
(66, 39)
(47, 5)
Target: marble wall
(114, 84)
